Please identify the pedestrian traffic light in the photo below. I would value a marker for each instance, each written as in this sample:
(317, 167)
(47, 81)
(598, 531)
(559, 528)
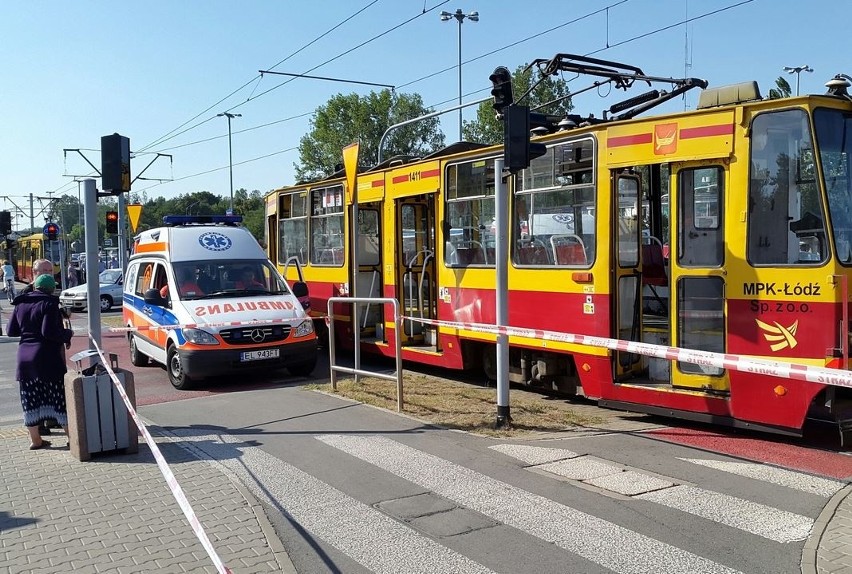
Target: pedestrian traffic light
(112, 222)
(518, 152)
(51, 230)
(501, 79)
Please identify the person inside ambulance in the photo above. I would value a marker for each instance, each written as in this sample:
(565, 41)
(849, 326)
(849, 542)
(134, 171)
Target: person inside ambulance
(187, 287)
(248, 281)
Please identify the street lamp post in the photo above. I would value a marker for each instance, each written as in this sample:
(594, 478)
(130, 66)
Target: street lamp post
(230, 116)
(460, 16)
(797, 70)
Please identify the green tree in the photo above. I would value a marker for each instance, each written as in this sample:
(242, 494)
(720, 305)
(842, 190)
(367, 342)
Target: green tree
(781, 89)
(348, 118)
(486, 128)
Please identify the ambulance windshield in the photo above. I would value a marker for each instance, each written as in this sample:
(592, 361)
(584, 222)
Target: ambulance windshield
(227, 278)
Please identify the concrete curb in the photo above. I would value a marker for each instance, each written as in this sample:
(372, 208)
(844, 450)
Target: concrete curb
(285, 565)
(809, 552)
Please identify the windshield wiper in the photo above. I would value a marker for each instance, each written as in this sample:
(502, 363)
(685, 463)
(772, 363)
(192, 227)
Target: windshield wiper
(216, 295)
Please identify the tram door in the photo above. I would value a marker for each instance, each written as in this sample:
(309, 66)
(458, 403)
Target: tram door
(697, 267)
(415, 267)
(627, 320)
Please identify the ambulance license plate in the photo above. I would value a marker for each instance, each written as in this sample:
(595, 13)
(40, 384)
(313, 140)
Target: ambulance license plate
(259, 355)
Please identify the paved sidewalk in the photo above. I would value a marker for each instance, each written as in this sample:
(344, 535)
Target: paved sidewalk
(829, 548)
(115, 513)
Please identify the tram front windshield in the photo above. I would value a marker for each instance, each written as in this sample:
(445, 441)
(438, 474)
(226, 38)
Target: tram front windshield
(834, 138)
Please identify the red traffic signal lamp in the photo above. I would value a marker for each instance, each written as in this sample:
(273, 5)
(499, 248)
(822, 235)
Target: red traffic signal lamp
(51, 231)
(112, 222)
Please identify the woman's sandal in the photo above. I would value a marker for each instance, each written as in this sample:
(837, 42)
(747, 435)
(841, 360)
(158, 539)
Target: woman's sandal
(44, 444)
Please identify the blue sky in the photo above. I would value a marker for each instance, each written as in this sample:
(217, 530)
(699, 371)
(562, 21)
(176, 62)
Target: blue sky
(76, 71)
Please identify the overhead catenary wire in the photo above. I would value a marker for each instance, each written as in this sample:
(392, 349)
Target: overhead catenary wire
(507, 46)
(258, 77)
(173, 135)
(572, 21)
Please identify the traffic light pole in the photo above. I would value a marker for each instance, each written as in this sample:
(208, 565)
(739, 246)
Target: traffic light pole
(122, 223)
(501, 255)
(93, 295)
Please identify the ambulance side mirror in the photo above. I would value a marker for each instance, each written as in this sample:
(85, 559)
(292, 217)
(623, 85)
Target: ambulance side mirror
(153, 297)
(300, 289)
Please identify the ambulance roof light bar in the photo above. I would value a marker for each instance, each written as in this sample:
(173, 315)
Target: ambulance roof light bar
(172, 220)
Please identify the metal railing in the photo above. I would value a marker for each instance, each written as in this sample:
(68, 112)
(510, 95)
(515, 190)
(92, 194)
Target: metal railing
(334, 368)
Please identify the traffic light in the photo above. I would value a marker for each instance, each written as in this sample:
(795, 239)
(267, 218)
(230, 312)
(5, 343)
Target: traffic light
(112, 222)
(115, 164)
(501, 79)
(5, 223)
(51, 230)
(518, 152)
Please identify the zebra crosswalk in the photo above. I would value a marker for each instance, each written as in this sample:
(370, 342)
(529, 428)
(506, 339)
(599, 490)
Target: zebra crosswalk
(571, 512)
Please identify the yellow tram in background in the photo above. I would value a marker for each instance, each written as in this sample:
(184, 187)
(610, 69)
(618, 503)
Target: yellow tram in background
(727, 228)
(29, 248)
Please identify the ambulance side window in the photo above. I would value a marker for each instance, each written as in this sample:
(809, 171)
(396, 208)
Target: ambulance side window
(143, 282)
(160, 277)
(130, 283)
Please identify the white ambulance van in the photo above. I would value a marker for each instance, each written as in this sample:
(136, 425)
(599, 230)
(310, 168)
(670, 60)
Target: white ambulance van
(205, 301)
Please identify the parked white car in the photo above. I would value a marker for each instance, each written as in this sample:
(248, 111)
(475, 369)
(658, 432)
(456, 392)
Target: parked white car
(111, 282)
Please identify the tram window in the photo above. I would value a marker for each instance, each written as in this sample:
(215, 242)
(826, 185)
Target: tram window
(701, 325)
(834, 132)
(785, 215)
(470, 179)
(327, 226)
(368, 237)
(554, 208)
(701, 232)
(293, 227)
(469, 233)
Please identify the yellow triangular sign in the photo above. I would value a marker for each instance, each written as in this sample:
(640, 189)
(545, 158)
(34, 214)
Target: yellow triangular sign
(350, 165)
(134, 212)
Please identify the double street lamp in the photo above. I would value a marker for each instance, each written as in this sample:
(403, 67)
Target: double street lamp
(230, 116)
(460, 16)
(797, 70)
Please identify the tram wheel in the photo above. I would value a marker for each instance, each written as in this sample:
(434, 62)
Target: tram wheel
(489, 362)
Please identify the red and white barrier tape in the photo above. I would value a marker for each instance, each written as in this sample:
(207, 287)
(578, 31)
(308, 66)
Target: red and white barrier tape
(256, 322)
(177, 491)
(745, 363)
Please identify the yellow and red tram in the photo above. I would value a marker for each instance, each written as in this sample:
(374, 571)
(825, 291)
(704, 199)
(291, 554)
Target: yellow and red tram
(727, 228)
(26, 250)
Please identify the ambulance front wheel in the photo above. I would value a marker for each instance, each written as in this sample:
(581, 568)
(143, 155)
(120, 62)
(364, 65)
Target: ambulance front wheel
(177, 377)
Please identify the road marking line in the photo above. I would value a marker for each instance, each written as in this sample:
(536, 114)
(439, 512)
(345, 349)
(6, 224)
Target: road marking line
(753, 517)
(368, 536)
(534, 454)
(593, 538)
(780, 476)
(770, 523)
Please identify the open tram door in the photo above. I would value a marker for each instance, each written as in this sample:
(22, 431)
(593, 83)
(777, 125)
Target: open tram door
(627, 285)
(415, 268)
(697, 271)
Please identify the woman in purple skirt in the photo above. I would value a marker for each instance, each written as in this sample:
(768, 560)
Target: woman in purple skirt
(41, 369)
